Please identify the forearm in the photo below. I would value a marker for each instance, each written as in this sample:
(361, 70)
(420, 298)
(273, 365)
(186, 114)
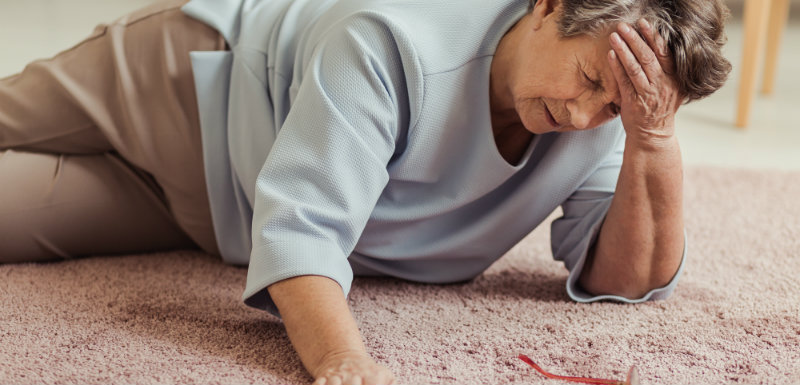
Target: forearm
(317, 319)
(641, 241)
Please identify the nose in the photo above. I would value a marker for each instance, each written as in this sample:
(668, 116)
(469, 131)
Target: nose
(585, 113)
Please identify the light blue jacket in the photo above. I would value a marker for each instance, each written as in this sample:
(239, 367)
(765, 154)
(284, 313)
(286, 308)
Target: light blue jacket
(355, 135)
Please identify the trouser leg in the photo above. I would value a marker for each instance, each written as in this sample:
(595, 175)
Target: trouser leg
(127, 89)
(63, 206)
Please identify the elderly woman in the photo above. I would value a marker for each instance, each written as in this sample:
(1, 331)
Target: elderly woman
(318, 139)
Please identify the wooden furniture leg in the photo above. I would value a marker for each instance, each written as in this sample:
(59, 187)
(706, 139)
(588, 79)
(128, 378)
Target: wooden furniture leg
(777, 22)
(756, 14)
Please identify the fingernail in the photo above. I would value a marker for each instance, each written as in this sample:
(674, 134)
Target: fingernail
(624, 28)
(645, 23)
(615, 37)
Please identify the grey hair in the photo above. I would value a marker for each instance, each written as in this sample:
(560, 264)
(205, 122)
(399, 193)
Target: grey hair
(692, 30)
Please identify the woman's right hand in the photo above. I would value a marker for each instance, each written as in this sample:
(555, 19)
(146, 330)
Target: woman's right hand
(351, 368)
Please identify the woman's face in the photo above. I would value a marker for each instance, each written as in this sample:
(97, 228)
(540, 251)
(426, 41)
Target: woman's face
(560, 84)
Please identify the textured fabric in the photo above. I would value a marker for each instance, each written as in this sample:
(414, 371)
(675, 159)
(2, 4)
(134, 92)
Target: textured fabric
(55, 207)
(356, 136)
(125, 94)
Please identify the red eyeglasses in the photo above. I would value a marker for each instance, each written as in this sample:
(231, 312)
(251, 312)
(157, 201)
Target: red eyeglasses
(632, 379)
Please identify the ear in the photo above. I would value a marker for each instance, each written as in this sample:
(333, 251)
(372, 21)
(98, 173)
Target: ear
(542, 10)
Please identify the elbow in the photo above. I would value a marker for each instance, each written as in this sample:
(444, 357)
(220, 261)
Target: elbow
(632, 279)
(628, 286)
(624, 290)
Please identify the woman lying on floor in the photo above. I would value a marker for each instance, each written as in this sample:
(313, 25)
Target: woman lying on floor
(318, 139)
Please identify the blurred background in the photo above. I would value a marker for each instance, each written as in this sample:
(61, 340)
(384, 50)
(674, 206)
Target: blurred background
(33, 29)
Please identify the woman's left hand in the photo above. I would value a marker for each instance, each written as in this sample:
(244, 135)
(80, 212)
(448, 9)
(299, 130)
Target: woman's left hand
(644, 72)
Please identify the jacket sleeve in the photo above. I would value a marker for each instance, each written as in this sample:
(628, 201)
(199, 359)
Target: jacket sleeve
(327, 167)
(576, 231)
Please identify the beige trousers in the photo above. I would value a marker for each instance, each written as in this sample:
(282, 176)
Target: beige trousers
(100, 149)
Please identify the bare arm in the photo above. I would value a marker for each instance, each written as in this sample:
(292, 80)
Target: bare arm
(641, 241)
(324, 333)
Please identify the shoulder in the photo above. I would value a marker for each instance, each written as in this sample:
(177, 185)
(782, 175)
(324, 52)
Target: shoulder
(440, 35)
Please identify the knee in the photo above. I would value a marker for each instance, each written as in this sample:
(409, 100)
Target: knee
(26, 181)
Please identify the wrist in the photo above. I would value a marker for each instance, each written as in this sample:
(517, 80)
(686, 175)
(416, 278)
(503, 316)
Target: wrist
(648, 143)
(654, 157)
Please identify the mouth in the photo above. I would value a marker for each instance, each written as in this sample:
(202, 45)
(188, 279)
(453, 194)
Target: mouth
(549, 116)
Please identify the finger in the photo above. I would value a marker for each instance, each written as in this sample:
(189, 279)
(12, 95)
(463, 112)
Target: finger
(635, 74)
(641, 50)
(320, 381)
(626, 90)
(658, 45)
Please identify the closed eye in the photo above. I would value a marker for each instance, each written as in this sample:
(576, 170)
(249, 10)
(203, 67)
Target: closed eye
(614, 109)
(595, 84)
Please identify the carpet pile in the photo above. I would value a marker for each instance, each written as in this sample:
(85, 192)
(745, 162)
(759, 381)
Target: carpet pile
(177, 317)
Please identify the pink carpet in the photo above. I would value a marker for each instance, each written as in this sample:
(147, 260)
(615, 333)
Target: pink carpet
(177, 317)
